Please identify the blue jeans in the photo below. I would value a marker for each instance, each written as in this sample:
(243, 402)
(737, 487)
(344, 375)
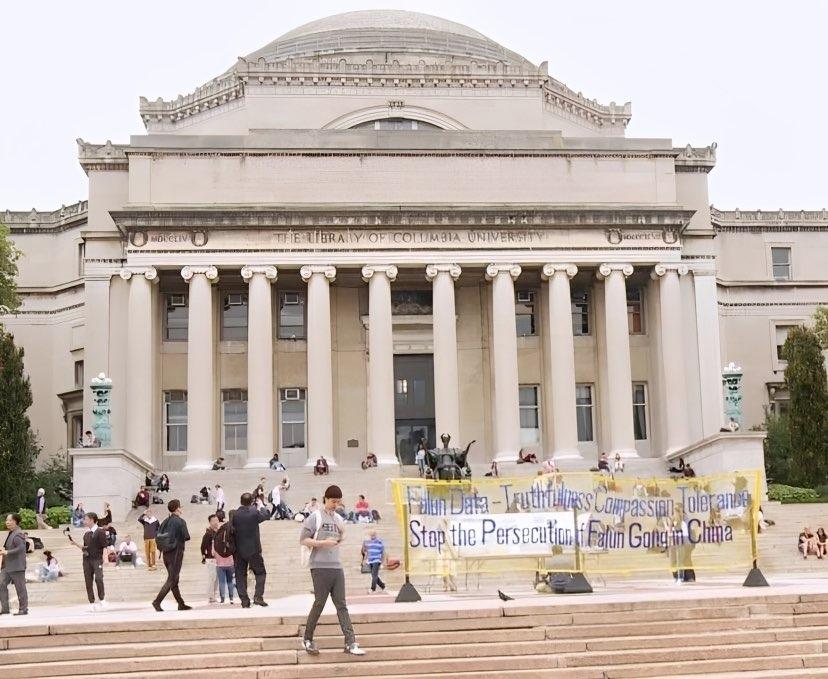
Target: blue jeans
(226, 580)
(375, 578)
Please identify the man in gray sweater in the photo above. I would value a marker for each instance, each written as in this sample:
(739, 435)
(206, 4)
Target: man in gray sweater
(14, 567)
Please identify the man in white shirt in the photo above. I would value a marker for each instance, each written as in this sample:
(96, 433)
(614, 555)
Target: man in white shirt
(127, 552)
(279, 509)
(219, 498)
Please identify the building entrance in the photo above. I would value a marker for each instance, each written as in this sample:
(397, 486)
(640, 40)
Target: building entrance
(413, 403)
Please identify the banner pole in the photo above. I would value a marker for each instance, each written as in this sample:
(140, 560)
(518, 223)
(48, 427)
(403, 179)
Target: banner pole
(755, 577)
(577, 584)
(408, 593)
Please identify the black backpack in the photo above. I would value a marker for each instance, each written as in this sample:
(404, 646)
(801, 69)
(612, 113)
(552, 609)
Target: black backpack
(165, 540)
(224, 542)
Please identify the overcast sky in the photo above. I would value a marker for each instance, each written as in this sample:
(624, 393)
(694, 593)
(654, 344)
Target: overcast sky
(749, 75)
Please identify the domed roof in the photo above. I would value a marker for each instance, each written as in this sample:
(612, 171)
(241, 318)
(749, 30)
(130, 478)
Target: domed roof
(395, 31)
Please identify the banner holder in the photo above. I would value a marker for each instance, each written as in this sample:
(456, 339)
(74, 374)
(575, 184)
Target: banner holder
(755, 578)
(577, 584)
(408, 593)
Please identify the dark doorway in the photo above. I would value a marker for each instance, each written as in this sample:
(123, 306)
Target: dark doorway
(413, 403)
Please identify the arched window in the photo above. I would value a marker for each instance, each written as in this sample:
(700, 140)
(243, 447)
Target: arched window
(395, 124)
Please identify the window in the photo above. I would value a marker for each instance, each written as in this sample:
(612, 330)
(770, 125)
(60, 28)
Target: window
(639, 392)
(291, 315)
(583, 412)
(529, 416)
(525, 312)
(781, 262)
(78, 374)
(175, 317)
(81, 258)
(395, 124)
(580, 312)
(781, 335)
(175, 421)
(234, 420)
(411, 302)
(635, 311)
(234, 316)
(293, 418)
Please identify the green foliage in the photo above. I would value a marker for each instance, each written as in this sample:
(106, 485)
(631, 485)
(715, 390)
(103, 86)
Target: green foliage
(18, 446)
(808, 418)
(786, 494)
(54, 477)
(821, 325)
(58, 515)
(28, 518)
(777, 448)
(9, 254)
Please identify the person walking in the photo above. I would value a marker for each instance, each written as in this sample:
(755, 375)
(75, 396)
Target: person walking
(150, 524)
(40, 510)
(223, 548)
(322, 533)
(172, 538)
(208, 558)
(248, 554)
(219, 498)
(374, 550)
(95, 542)
(13, 570)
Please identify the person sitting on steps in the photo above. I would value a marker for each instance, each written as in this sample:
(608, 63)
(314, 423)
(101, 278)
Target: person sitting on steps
(321, 467)
(218, 465)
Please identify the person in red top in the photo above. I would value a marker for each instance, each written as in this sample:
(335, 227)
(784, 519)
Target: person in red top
(362, 510)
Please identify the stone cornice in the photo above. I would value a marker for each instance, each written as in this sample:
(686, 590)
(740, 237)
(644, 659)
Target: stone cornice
(759, 221)
(696, 159)
(107, 156)
(55, 221)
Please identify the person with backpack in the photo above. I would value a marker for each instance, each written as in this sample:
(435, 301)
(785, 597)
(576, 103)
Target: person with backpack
(208, 559)
(248, 548)
(171, 539)
(223, 548)
(322, 533)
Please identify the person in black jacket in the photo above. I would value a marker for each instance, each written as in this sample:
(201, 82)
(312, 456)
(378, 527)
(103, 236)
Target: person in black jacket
(248, 553)
(95, 542)
(176, 528)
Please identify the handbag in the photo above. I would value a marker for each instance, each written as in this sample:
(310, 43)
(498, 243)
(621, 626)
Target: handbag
(365, 568)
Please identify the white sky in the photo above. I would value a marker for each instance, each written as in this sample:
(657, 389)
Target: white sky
(750, 75)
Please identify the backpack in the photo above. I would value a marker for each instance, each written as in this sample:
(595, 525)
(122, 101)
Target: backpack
(165, 540)
(223, 542)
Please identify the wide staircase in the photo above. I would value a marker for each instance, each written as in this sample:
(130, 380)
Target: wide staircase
(754, 635)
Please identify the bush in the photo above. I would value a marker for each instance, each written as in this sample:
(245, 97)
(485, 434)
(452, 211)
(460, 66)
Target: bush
(57, 516)
(777, 448)
(28, 519)
(790, 494)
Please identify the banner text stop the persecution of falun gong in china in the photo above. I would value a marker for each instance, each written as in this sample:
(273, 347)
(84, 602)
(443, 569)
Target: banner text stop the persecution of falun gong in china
(570, 522)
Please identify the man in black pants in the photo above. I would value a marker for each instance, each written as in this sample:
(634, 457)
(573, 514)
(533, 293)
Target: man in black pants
(248, 552)
(172, 537)
(95, 543)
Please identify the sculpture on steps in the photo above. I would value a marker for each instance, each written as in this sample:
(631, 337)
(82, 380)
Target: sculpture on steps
(448, 464)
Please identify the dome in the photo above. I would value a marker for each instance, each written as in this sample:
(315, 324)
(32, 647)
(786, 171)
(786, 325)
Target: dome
(381, 31)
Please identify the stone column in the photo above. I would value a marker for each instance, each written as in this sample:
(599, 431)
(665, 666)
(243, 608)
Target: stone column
(709, 349)
(446, 381)
(260, 411)
(561, 361)
(619, 376)
(320, 361)
(381, 361)
(672, 354)
(201, 380)
(506, 405)
(140, 402)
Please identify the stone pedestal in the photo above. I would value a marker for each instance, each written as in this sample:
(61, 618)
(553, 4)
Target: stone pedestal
(101, 475)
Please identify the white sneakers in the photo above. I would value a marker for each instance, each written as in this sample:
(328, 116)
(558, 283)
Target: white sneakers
(100, 606)
(103, 604)
(354, 649)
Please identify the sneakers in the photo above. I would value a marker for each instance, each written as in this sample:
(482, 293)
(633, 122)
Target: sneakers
(184, 607)
(103, 604)
(260, 602)
(92, 608)
(354, 649)
(310, 647)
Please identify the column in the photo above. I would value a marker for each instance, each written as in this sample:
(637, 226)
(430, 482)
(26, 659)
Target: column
(619, 376)
(260, 411)
(320, 361)
(710, 358)
(506, 405)
(446, 381)
(672, 354)
(381, 361)
(561, 361)
(140, 403)
(201, 381)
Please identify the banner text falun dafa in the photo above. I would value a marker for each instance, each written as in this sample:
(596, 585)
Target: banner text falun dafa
(578, 522)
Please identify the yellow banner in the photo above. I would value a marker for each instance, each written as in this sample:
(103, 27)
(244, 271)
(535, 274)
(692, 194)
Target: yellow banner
(578, 522)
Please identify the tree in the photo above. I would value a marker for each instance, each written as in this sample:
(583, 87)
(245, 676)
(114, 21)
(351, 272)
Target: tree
(821, 325)
(777, 447)
(9, 254)
(18, 446)
(808, 418)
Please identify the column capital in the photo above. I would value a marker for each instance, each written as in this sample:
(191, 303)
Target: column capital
(452, 270)
(388, 269)
(269, 272)
(549, 270)
(210, 272)
(608, 267)
(326, 270)
(494, 269)
(148, 272)
(660, 270)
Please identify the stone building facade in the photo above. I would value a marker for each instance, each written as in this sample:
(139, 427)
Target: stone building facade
(383, 226)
